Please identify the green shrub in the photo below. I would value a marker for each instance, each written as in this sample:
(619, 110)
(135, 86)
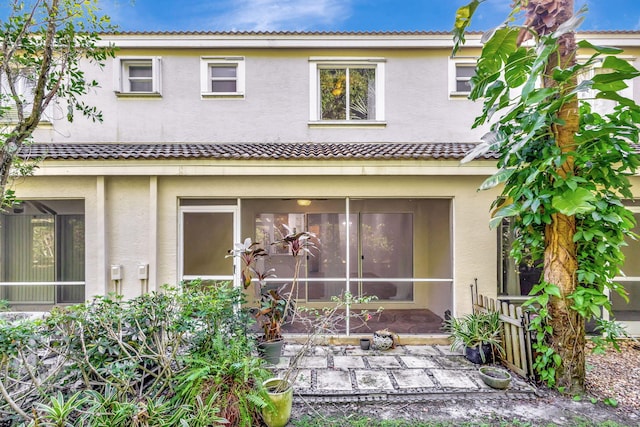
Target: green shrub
(124, 363)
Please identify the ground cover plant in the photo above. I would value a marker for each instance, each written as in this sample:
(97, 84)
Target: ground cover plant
(180, 357)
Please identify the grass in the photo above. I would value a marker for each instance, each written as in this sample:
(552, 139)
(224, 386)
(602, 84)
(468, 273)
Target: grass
(369, 422)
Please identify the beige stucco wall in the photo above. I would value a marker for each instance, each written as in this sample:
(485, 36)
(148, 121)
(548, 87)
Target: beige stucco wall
(134, 219)
(276, 105)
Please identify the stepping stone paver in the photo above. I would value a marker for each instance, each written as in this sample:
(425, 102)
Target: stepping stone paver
(412, 378)
(283, 363)
(422, 350)
(383, 362)
(418, 362)
(303, 380)
(333, 380)
(454, 362)
(373, 380)
(318, 362)
(346, 362)
(446, 350)
(453, 379)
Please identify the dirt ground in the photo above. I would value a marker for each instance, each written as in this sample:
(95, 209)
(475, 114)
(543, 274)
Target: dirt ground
(613, 375)
(541, 411)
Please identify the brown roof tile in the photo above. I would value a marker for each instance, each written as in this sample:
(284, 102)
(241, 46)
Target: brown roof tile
(251, 151)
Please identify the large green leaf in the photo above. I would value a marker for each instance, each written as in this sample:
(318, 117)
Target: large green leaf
(572, 202)
(497, 178)
(605, 50)
(502, 44)
(503, 212)
(516, 69)
(618, 64)
(463, 19)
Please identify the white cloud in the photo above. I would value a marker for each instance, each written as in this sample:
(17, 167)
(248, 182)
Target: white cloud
(273, 15)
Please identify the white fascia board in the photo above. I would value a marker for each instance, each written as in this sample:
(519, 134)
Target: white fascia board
(285, 42)
(267, 168)
(342, 41)
(612, 39)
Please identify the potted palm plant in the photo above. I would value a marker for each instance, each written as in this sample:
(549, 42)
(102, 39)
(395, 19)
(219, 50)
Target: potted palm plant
(478, 334)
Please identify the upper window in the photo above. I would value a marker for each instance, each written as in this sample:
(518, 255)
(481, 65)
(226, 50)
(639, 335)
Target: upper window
(24, 84)
(460, 73)
(137, 76)
(222, 77)
(347, 90)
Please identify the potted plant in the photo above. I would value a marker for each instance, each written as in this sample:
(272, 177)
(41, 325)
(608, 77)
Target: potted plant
(276, 306)
(478, 334)
(318, 324)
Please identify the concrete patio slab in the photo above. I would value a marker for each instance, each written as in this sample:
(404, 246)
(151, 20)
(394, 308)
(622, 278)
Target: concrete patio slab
(348, 362)
(333, 380)
(319, 362)
(383, 362)
(412, 378)
(373, 380)
(449, 378)
(345, 373)
(418, 362)
(422, 350)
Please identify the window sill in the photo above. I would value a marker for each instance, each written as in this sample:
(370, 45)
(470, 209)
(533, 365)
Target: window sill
(230, 95)
(138, 94)
(347, 123)
(459, 95)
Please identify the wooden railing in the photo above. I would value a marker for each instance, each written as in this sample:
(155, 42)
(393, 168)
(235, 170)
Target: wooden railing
(516, 338)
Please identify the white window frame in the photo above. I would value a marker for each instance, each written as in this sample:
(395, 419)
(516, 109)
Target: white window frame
(25, 87)
(207, 62)
(121, 75)
(318, 63)
(454, 63)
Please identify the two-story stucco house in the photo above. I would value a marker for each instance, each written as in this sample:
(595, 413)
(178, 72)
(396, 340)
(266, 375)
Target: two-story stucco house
(209, 138)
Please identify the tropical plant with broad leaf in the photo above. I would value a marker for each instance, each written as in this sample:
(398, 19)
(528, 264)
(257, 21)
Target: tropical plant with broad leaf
(563, 166)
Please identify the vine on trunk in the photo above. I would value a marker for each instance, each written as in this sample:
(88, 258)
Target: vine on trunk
(563, 189)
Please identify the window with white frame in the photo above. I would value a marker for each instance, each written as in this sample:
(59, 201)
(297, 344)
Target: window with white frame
(347, 90)
(222, 77)
(25, 85)
(460, 73)
(138, 76)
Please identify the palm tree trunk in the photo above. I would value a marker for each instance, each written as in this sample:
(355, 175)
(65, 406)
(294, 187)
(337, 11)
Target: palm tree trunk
(560, 261)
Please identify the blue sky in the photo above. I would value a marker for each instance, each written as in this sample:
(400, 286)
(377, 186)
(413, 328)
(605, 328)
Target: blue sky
(337, 15)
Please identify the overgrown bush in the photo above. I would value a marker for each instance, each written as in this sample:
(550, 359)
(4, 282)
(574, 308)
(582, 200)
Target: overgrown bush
(179, 357)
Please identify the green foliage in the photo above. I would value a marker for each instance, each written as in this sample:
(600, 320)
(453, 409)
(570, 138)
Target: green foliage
(58, 413)
(43, 45)
(130, 360)
(474, 330)
(603, 158)
(229, 379)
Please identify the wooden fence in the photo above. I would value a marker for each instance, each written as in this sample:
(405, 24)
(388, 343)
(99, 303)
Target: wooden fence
(516, 338)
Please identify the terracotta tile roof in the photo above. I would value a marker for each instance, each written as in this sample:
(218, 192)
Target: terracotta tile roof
(252, 151)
